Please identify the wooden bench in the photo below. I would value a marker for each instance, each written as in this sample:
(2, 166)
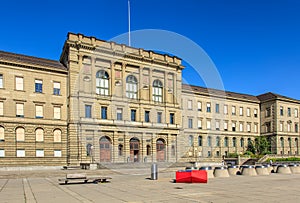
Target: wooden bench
(77, 177)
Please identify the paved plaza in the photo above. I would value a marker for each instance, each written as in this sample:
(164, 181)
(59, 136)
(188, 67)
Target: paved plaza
(133, 185)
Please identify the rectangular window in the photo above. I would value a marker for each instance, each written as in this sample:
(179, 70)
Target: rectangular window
(233, 127)
(39, 153)
(268, 112)
(39, 111)
(190, 104)
(1, 109)
(281, 110)
(103, 112)
(172, 118)
(248, 127)
(225, 125)
(268, 127)
(190, 123)
(296, 113)
(255, 113)
(217, 108)
(133, 115)
(2, 153)
(233, 110)
(39, 86)
(119, 114)
(20, 153)
(296, 127)
(225, 109)
(19, 83)
(208, 125)
(241, 111)
(88, 111)
(208, 109)
(56, 88)
(56, 112)
(2, 137)
(19, 110)
(289, 127)
(147, 116)
(1, 80)
(289, 112)
(199, 106)
(159, 115)
(57, 153)
(255, 128)
(248, 112)
(217, 125)
(281, 127)
(241, 127)
(199, 123)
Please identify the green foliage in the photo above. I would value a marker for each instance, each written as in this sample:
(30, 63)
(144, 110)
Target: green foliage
(232, 155)
(248, 153)
(261, 146)
(283, 159)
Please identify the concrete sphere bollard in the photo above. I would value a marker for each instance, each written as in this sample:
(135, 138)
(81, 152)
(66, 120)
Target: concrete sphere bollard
(295, 168)
(221, 171)
(249, 171)
(233, 170)
(208, 169)
(262, 170)
(283, 169)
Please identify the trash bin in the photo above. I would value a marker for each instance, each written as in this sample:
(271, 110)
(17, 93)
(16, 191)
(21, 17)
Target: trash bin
(154, 172)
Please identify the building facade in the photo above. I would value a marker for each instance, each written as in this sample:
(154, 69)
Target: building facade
(109, 103)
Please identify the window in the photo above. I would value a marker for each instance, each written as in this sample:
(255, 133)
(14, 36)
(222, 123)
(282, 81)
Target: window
(209, 141)
(20, 134)
(255, 128)
(208, 125)
(131, 87)
(208, 108)
(2, 153)
(268, 127)
(268, 112)
(56, 88)
(19, 110)
(255, 113)
(225, 125)
(242, 142)
(57, 153)
(149, 150)
(102, 83)
(281, 110)
(191, 140)
(296, 127)
(218, 141)
(282, 142)
(56, 112)
(200, 141)
(234, 141)
(103, 112)
(2, 137)
(89, 147)
(39, 111)
(119, 114)
(190, 123)
(289, 112)
(233, 127)
(208, 153)
(88, 111)
(217, 108)
(233, 110)
(39, 135)
(1, 109)
(249, 142)
(199, 123)
(147, 116)
(20, 153)
(225, 109)
(217, 125)
(241, 127)
(133, 115)
(120, 150)
(226, 142)
(172, 118)
(241, 111)
(1, 80)
(199, 106)
(248, 112)
(159, 115)
(190, 104)
(19, 83)
(39, 86)
(281, 127)
(57, 135)
(289, 127)
(39, 153)
(248, 127)
(296, 113)
(157, 91)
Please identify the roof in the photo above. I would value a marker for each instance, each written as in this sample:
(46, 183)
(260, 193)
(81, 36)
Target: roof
(271, 96)
(219, 93)
(30, 60)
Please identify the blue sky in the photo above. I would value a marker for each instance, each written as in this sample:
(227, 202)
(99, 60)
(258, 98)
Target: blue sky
(255, 44)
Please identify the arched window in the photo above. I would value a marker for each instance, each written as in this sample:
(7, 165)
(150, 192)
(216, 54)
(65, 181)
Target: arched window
(191, 140)
(200, 141)
(57, 135)
(39, 135)
(290, 142)
(209, 141)
(157, 92)
(249, 141)
(226, 142)
(218, 141)
(120, 150)
(20, 134)
(242, 142)
(2, 137)
(131, 87)
(89, 149)
(282, 142)
(234, 141)
(102, 83)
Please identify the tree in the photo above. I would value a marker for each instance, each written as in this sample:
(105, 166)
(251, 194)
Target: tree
(262, 145)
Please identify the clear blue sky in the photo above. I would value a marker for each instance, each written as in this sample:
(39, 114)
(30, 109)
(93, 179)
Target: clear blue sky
(255, 44)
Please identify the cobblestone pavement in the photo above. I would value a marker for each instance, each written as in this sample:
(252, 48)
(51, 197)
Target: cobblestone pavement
(135, 186)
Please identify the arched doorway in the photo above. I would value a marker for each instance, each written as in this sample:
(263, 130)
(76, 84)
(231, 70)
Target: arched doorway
(160, 150)
(134, 149)
(105, 149)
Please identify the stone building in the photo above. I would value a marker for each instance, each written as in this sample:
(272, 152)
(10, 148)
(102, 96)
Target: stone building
(104, 102)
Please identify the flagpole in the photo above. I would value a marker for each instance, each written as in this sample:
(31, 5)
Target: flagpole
(129, 40)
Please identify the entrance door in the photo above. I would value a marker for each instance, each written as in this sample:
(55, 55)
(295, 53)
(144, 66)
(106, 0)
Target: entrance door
(105, 149)
(160, 150)
(134, 149)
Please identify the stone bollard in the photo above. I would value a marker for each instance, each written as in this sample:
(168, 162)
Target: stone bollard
(283, 169)
(208, 169)
(262, 170)
(221, 171)
(295, 168)
(248, 171)
(269, 168)
(234, 170)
